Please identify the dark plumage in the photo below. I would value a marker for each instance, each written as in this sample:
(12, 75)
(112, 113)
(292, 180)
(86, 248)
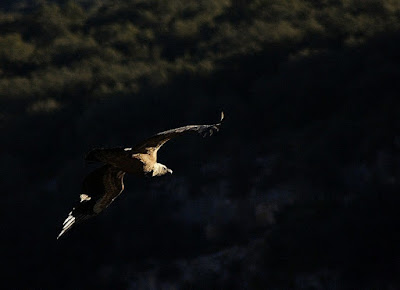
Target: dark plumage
(102, 186)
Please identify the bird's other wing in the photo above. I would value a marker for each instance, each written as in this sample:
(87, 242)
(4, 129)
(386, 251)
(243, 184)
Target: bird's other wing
(114, 155)
(99, 189)
(154, 143)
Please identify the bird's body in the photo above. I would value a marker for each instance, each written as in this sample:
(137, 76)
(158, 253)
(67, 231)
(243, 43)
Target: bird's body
(103, 185)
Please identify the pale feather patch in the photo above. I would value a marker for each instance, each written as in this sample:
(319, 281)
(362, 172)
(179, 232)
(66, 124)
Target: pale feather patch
(67, 224)
(85, 197)
(127, 149)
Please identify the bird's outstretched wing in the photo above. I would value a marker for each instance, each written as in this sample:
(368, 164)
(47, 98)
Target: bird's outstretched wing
(99, 189)
(155, 142)
(119, 155)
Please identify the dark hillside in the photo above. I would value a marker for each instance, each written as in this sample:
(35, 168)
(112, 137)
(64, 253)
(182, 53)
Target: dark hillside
(299, 190)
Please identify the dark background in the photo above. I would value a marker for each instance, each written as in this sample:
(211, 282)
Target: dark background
(299, 190)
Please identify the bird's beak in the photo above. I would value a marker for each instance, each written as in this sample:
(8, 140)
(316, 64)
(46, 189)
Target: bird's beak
(169, 171)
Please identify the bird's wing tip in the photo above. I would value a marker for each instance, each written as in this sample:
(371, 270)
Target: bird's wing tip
(61, 233)
(67, 224)
(222, 116)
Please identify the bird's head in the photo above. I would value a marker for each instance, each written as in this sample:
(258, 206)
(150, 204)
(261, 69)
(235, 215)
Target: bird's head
(160, 169)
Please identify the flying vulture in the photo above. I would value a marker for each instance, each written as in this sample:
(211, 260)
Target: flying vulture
(103, 185)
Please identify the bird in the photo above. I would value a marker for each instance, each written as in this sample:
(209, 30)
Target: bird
(102, 186)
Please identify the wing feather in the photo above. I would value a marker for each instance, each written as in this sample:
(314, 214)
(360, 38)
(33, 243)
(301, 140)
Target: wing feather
(155, 142)
(118, 156)
(99, 189)
(106, 155)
